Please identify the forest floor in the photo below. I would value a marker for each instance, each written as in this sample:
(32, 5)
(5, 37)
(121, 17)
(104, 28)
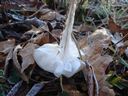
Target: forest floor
(100, 30)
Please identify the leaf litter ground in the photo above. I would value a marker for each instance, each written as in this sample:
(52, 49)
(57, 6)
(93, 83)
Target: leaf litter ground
(22, 29)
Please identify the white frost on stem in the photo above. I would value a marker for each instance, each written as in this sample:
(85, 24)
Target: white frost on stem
(67, 45)
(61, 59)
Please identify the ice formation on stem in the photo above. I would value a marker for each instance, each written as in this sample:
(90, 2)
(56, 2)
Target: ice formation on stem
(61, 59)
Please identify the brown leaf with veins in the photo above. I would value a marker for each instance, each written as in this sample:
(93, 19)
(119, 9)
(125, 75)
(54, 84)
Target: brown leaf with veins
(17, 64)
(115, 27)
(95, 57)
(27, 56)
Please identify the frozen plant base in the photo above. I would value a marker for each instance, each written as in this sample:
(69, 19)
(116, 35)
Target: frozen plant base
(50, 59)
(61, 59)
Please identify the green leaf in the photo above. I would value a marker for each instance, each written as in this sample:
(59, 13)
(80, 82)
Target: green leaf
(122, 61)
(1, 72)
(14, 76)
(2, 94)
(117, 81)
(85, 4)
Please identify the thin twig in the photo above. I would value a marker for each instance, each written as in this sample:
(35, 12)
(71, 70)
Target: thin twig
(121, 39)
(61, 83)
(36, 12)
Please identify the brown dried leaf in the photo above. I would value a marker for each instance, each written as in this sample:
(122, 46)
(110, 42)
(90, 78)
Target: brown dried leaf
(41, 39)
(96, 42)
(56, 33)
(45, 28)
(5, 46)
(105, 91)
(115, 27)
(51, 15)
(17, 64)
(99, 40)
(2, 58)
(27, 56)
(46, 38)
(35, 31)
(100, 64)
(7, 64)
(82, 42)
(88, 74)
(2, 80)
(71, 90)
(85, 28)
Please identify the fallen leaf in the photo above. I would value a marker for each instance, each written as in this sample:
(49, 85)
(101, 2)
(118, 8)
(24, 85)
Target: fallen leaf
(56, 33)
(115, 27)
(5, 46)
(52, 24)
(41, 39)
(2, 58)
(71, 90)
(51, 15)
(116, 38)
(7, 63)
(48, 37)
(35, 31)
(92, 83)
(100, 64)
(36, 22)
(30, 35)
(27, 56)
(105, 91)
(85, 28)
(17, 64)
(2, 79)
(82, 42)
(97, 41)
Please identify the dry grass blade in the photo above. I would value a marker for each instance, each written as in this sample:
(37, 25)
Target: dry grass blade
(93, 88)
(14, 89)
(35, 89)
